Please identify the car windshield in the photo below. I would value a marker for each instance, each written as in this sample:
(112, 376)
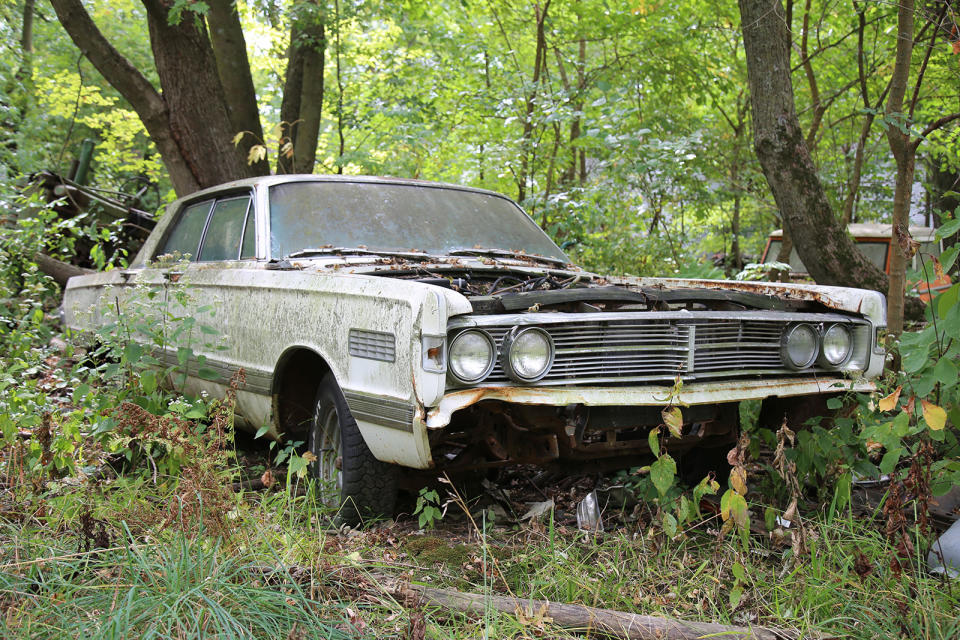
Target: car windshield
(399, 217)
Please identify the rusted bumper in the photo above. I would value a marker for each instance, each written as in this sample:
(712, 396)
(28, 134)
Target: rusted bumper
(649, 395)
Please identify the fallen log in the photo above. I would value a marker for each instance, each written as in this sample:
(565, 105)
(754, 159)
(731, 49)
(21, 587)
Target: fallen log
(581, 618)
(58, 270)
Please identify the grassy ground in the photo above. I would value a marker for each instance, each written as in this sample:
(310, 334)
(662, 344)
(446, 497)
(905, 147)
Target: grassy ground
(166, 550)
(112, 559)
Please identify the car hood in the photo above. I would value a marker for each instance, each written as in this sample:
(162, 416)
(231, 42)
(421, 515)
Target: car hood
(870, 304)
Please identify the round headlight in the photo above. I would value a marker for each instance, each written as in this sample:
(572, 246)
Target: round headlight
(527, 354)
(837, 344)
(472, 355)
(800, 346)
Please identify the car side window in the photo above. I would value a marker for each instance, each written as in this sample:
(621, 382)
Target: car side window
(188, 230)
(248, 248)
(225, 230)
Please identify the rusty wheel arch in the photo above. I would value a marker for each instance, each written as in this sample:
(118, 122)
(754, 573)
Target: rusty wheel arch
(295, 379)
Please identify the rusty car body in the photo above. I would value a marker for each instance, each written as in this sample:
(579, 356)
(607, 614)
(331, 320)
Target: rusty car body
(397, 323)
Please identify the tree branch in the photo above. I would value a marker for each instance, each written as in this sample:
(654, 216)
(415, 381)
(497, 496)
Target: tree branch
(933, 126)
(132, 85)
(926, 59)
(116, 69)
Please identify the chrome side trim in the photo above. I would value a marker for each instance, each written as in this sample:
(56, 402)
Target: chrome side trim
(257, 381)
(386, 412)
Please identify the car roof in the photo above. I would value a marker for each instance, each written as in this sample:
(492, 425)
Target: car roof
(296, 177)
(877, 230)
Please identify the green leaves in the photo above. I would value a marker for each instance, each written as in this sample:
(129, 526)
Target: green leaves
(662, 474)
(428, 509)
(915, 348)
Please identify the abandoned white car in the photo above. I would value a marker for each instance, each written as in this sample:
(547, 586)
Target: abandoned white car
(397, 323)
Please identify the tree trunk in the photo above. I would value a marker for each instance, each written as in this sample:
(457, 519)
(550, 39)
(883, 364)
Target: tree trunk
(604, 623)
(905, 156)
(233, 67)
(824, 246)
(311, 100)
(24, 74)
(290, 105)
(527, 147)
(132, 85)
(198, 118)
(189, 122)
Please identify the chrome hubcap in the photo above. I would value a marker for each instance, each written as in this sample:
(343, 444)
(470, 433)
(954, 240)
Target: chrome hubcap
(327, 450)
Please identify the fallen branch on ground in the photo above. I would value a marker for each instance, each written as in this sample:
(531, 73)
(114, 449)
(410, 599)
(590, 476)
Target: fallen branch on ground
(618, 624)
(58, 270)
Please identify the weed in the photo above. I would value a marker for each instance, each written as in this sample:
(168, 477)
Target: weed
(428, 509)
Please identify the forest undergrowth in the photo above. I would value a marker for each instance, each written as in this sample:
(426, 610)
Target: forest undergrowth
(126, 509)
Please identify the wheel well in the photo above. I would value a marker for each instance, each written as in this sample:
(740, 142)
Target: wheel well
(295, 389)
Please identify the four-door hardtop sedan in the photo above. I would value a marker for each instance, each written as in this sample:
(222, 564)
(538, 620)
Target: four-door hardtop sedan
(397, 323)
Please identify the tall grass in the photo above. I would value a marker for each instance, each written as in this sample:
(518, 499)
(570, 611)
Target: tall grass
(178, 588)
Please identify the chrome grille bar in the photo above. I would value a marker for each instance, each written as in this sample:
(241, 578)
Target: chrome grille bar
(621, 348)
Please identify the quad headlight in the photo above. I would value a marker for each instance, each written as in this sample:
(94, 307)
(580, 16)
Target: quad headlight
(472, 356)
(800, 346)
(527, 354)
(837, 345)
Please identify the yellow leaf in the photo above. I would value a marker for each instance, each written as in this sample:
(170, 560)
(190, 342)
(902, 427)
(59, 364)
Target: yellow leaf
(257, 153)
(673, 418)
(888, 403)
(935, 416)
(738, 480)
(308, 456)
(237, 138)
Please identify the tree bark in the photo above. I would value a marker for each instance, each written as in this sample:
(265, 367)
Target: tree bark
(311, 99)
(233, 68)
(905, 156)
(25, 72)
(189, 123)
(290, 105)
(58, 270)
(527, 147)
(815, 102)
(197, 117)
(131, 84)
(824, 246)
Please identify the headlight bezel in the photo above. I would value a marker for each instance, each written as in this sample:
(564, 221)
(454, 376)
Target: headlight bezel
(452, 369)
(823, 359)
(507, 351)
(785, 343)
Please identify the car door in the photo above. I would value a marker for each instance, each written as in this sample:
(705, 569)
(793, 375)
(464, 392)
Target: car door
(194, 273)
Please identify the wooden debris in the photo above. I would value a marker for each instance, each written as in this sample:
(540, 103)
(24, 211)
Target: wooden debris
(575, 617)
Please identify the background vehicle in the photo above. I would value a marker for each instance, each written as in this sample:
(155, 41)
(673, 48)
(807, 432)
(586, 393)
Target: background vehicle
(873, 239)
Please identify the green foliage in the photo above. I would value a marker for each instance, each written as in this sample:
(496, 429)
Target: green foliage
(428, 509)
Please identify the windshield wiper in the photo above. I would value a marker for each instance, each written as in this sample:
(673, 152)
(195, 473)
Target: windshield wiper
(503, 253)
(339, 251)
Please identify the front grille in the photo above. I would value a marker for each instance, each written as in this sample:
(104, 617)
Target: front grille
(629, 351)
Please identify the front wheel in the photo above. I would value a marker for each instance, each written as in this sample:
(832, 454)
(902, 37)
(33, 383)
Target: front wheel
(366, 487)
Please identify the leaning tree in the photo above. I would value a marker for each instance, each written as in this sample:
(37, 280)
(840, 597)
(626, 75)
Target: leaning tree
(206, 98)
